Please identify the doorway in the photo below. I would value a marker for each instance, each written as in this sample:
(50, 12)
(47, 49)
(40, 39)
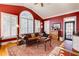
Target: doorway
(69, 30)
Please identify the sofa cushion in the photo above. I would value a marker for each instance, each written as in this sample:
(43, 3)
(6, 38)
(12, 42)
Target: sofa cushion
(36, 34)
(28, 35)
(32, 35)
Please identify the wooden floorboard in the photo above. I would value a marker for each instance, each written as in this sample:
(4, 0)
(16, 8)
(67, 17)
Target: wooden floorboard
(3, 49)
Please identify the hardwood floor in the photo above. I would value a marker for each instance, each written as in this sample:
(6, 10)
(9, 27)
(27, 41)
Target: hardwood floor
(3, 49)
(4, 52)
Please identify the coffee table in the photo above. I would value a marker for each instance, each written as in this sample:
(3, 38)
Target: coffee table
(44, 40)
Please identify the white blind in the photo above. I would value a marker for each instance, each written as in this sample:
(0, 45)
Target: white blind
(37, 26)
(5, 26)
(23, 26)
(46, 26)
(30, 26)
(8, 25)
(26, 22)
(26, 26)
(13, 24)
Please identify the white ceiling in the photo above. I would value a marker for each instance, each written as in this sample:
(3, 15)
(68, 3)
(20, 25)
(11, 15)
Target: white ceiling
(51, 9)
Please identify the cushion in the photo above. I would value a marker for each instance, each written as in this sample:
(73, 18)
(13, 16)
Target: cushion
(36, 34)
(33, 35)
(28, 35)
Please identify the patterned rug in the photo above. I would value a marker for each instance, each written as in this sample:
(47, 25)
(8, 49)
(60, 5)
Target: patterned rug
(32, 50)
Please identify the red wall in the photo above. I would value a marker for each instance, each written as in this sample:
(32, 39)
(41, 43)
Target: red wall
(59, 19)
(16, 11)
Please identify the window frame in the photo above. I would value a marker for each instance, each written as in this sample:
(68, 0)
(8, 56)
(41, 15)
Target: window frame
(10, 26)
(28, 16)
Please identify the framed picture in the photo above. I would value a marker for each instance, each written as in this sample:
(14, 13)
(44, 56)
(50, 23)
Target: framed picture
(57, 26)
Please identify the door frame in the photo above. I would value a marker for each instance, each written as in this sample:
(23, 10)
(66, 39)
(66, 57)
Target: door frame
(67, 19)
(73, 28)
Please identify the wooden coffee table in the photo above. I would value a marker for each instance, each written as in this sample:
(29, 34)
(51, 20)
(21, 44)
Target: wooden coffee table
(44, 40)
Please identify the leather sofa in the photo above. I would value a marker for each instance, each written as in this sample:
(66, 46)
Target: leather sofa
(29, 38)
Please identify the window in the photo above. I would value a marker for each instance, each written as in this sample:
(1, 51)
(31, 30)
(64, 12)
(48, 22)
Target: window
(8, 25)
(37, 26)
(46, 27)
(26, 22)
(30, 26)
(23, 26)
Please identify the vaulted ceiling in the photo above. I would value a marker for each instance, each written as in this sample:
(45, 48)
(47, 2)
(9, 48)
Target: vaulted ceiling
(50, 9)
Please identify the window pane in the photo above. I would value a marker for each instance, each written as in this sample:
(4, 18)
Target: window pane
(23, 26)
(30, 26)
(46, 27)
(13, 26)
(37, 26)
(8, 25)
(5, 26)
(26, 22)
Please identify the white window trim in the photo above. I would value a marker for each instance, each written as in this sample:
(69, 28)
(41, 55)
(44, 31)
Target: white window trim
(2, 24)
(26, 17)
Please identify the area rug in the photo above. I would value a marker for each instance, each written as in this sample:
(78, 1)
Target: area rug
(33, 50)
